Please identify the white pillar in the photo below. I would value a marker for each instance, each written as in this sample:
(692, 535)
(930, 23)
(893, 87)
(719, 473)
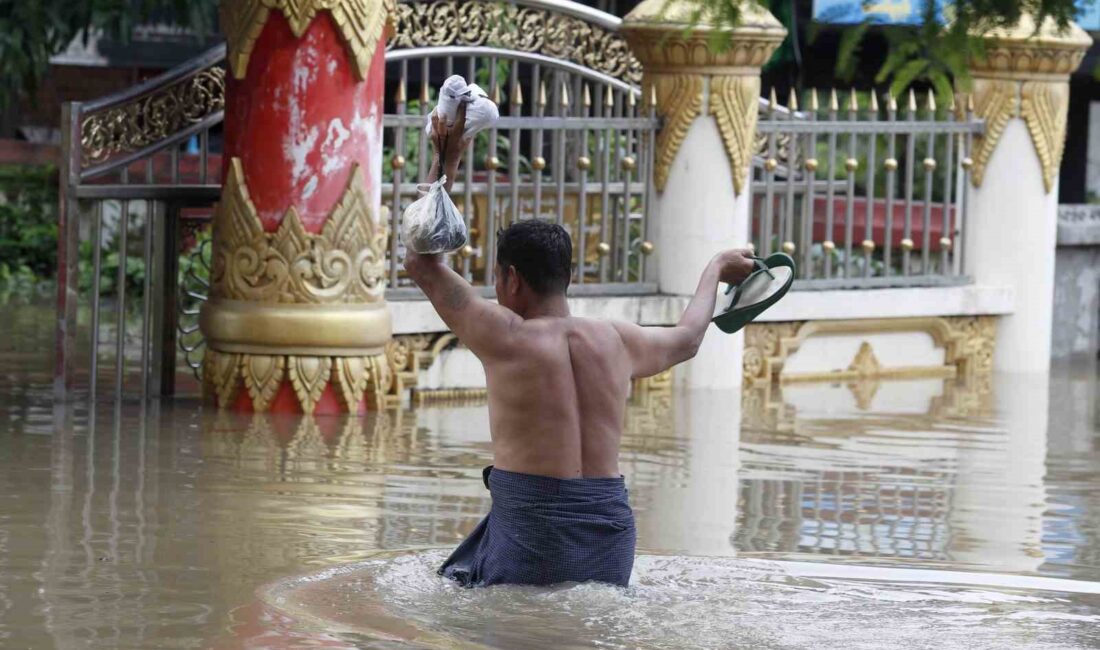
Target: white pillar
(999, 493)
(1021, 90)
(708, 100)
(698, 516)
(1011, 240)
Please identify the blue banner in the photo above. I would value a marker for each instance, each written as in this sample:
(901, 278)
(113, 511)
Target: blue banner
(909, 12)
(881, 12)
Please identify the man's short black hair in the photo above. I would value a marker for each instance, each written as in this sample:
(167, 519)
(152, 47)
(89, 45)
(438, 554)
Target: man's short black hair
(542, 253)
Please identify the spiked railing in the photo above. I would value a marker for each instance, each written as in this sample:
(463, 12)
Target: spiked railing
(829, 188)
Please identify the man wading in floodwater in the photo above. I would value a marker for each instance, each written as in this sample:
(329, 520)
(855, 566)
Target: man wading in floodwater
(558, 387)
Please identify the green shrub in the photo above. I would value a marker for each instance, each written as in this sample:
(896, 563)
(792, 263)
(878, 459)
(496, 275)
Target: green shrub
(28, 223)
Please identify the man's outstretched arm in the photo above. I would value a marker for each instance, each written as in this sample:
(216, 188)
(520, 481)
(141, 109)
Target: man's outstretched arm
(481, 325)
(656, 349)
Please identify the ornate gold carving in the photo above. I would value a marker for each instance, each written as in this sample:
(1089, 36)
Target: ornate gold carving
(268, 278)
(361, 24)
(343, 264)
(262, 374)
(968, 343)
(222, 378)
(154, 117)
(734, 103)
(1045, 109)
(354, 378)
(1031, 50)
(763, 355)
(309, 376)
(508, 26)
(656, 29)
(866, 363)
(1025, 73)
(679, 102)
(443, 396)
(659, 382)
(996, 102)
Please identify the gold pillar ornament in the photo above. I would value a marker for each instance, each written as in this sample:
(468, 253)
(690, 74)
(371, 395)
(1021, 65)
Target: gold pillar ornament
(290, 305)
(688, 74)
(361, 24)
(1025, 74)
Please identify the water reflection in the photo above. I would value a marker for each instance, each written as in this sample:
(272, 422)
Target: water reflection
(131, 526)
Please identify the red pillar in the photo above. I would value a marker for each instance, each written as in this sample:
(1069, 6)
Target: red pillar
(297, 321)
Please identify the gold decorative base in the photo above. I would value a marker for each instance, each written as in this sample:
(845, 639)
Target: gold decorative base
(295, 306)
(968, 343)
(225, 374)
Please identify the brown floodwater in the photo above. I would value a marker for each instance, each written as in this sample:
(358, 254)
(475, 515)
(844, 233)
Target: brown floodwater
(902, 514)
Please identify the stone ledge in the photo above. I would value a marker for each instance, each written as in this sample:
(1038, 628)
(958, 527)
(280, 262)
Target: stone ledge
(418, 316)
(1079, 225)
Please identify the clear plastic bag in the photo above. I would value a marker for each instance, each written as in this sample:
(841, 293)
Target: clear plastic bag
(433, 224)
(481, 112)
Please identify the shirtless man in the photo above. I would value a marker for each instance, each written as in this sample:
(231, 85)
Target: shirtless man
(558, 387)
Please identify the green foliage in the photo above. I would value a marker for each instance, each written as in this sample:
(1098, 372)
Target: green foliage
(934, 53)
(28, 224)
(31, 31)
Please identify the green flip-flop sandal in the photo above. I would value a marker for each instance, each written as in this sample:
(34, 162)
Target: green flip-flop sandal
(764, 287)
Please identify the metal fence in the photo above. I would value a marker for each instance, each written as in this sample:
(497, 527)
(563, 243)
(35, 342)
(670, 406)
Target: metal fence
(866, 196)
(136, 165)
(574, 143)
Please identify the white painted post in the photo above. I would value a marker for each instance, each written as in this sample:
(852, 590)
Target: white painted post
(708, 101)
(1021, 90)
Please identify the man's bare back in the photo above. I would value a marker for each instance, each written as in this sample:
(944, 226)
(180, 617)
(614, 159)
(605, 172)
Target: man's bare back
(557, 384)
(557, 396)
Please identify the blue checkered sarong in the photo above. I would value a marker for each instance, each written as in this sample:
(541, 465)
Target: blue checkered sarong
(542, 531)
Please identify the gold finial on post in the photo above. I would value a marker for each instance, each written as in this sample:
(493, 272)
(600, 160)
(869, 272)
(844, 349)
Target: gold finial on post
(401, 96)
(494, 95)
(792, 101)
(912, 101)
(608, 97)
(425, 96)
(931, 102)
(631, 100)
(853, 101)
(517, 94)
(653, 97)
(542, 94)
(891, 102)
(874, 102)
(834, 101)
(587, 101)
(564, 95)
(773, 100)
(815, 105)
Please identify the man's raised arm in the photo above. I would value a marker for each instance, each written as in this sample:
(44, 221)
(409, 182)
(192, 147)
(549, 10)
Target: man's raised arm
(656, 349)
(481, 325)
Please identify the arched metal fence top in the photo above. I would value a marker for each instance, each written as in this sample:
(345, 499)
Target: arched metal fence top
(558, 29)
(420, 53)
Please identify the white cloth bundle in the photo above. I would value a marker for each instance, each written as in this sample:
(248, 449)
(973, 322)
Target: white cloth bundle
(481, 112)
(433, 224)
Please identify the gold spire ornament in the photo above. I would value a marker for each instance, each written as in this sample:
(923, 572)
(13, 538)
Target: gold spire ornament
(1025, 75)
(673, 45)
